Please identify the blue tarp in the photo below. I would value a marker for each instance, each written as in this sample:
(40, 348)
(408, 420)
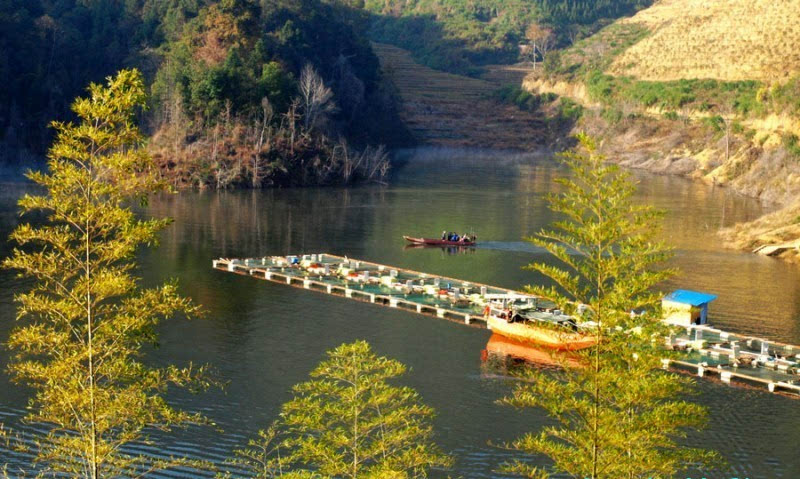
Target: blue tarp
(693, 298)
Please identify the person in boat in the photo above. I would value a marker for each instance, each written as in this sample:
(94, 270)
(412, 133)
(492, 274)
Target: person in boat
(444, 235)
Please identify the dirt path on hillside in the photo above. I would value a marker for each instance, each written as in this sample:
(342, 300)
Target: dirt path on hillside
(452, 110)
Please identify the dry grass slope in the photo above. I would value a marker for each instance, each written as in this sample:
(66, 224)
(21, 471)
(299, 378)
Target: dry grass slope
(719, 39)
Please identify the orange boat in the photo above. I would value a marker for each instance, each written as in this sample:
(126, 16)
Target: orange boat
(550, 336)
(501, 346)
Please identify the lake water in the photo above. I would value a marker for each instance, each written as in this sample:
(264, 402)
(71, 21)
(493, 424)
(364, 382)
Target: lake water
(262, 338)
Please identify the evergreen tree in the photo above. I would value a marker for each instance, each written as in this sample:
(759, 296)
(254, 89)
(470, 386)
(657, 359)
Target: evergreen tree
(348, 421)
(618, 415)
(85, 319)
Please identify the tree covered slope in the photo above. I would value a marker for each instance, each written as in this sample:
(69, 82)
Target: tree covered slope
(206, 62)
(462, 35)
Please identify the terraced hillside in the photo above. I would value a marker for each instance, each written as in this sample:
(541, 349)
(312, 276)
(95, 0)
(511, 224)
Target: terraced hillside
(724, 40)
(452, 110)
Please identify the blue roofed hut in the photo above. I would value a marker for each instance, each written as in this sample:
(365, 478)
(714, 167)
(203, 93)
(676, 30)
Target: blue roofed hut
(685, 308)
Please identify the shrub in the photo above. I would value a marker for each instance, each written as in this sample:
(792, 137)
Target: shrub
(671, 115)
(716, 122)
(600, 86)
(548, 97)
(523, 99)
(570, 110)
(792, 144)
(612, 115)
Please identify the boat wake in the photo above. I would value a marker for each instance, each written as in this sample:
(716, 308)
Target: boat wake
(517, 246)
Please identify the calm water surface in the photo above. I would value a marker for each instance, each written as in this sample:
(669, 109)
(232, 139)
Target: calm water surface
(262, 338)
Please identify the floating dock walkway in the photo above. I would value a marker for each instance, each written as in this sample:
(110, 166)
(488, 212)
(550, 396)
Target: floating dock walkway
(709, 351)
(439, 296)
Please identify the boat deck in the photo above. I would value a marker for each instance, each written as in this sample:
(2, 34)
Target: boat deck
(753, 360)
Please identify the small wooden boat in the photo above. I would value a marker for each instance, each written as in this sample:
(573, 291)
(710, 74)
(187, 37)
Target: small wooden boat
(550, 336)
(437, 242)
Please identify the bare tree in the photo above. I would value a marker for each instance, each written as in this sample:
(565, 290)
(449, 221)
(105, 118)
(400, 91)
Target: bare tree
(728, 114)
(542, 40)
(291, 117)
(267, 115)
(316, 98)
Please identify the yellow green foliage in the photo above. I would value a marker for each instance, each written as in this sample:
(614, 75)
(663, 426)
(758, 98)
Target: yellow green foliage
(84, 319)
(348, 421)
(617, 414)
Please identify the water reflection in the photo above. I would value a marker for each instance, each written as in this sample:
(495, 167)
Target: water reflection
(508, 356)
(263, 338)
(444, 249)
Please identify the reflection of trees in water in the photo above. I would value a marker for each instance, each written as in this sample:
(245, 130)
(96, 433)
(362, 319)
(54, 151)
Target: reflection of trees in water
(251, 223)
(258, 223)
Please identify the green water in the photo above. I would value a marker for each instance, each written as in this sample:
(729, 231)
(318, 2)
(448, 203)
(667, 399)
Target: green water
(262, 338)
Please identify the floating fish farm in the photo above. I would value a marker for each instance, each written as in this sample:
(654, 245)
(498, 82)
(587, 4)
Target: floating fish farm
(707, 351)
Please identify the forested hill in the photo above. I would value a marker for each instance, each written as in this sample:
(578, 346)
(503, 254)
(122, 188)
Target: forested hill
(233, 63)
(50, 50)
(462, 35)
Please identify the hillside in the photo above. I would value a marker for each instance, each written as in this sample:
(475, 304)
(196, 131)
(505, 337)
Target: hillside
(705, 89)
(463, 36)
(725, 40)
(243, 92)
(446, 109)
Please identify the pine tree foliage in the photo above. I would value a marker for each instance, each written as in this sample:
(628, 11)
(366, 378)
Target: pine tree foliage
(84, 319)
(618, 415)
(348, 421)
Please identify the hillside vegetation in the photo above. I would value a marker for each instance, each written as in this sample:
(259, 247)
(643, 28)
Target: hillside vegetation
(463, 35)
(445, 109)
(244, 92)
(706, 89)
(728, 40)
